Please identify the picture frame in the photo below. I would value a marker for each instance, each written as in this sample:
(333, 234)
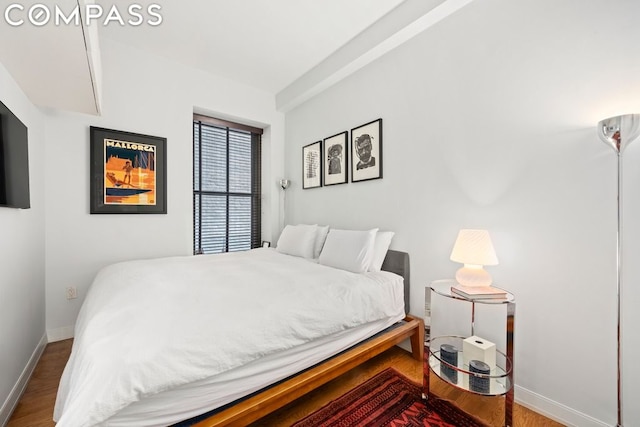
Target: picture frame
(128, 172)
(336, 155)
(312, 165)
(266, 244)
(366, 151)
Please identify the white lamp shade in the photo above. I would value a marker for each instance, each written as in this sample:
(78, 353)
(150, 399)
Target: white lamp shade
(474, 247)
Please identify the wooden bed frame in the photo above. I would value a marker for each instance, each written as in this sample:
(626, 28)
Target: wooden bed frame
(275, 397)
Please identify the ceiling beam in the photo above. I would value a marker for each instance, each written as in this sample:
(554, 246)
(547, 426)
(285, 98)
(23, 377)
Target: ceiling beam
(56, 66)
(401, 24)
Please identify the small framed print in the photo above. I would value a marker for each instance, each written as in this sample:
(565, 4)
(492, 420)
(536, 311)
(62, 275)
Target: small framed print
(312, 165)
(335, 156)
(366, 151)
(266, 244)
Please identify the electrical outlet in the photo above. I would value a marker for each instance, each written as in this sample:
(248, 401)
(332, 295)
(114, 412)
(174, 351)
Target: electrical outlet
(72, 292)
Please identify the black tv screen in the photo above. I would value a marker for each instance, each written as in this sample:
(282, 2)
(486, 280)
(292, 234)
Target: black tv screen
(14, 161)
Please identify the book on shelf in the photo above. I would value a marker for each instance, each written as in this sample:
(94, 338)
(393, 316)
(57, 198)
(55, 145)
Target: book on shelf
(478, 292)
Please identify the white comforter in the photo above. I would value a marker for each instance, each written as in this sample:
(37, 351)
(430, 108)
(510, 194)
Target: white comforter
(152, 325)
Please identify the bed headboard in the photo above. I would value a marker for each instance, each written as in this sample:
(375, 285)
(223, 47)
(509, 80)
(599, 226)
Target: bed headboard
(398, 262)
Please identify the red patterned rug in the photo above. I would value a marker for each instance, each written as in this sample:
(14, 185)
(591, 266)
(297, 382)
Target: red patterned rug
(388, 399)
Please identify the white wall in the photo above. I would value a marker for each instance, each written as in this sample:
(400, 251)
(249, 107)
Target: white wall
(22, 301)
(489, 122)
(146, 94)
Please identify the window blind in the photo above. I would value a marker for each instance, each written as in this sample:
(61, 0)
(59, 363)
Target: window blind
(226, 186)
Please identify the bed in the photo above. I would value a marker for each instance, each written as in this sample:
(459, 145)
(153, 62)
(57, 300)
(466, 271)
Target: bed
(142, 358)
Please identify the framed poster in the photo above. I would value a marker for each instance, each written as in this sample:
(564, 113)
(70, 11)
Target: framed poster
(335, 156)
(128, 172)
(366, 151)
(312, 165)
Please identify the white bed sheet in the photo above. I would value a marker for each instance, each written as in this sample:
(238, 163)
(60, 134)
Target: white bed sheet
(148, 327)
(200, 397)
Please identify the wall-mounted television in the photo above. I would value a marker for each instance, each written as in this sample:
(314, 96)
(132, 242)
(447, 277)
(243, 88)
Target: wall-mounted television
(14, 161)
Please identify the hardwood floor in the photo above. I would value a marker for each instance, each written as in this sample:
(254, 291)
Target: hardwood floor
(35, 408)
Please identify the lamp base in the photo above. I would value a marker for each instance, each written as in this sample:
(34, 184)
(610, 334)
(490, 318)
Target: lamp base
(473, 275)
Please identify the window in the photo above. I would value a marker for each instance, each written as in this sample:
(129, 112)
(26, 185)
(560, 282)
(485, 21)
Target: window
(226, 186)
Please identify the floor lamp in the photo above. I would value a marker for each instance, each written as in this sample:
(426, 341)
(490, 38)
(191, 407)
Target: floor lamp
(618, 132)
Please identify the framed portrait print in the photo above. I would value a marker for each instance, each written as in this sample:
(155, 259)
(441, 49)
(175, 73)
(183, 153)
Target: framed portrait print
(128, 172)
(312, 165)
(366, 151)
(335, 155)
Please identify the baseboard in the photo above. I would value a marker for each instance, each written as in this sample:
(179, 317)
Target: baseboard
(60, 334)
(405, 345)
(14, 396)
(554, 410)
(534, 401)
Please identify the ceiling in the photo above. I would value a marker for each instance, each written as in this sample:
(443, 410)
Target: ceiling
(292, 49)
(266, 44)
(52, 64)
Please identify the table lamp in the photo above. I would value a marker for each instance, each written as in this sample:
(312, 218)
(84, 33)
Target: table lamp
(474, 249)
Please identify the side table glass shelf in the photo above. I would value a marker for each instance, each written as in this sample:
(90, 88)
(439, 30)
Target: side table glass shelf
(498, 382)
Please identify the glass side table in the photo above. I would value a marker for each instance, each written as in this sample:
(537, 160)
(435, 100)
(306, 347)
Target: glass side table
(499, 382)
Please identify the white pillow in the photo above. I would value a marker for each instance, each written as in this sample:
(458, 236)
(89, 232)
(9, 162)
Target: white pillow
(321, 236)
(348, 249)
(380, 248)
(297, 240)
